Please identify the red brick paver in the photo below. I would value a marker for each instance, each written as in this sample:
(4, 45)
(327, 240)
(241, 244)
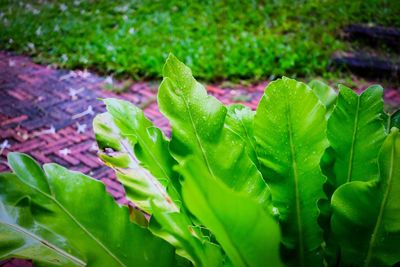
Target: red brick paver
(48, 114)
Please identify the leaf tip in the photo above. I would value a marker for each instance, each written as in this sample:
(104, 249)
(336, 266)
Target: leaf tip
(12, 155)
(171, 56)
(175, 69)
(15, 156)
(170, 62)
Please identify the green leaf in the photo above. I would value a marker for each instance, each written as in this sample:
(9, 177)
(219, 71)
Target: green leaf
(240, 120)
(325, 94)
(356, 133)
(78, 208)
(199, 130)
(366, 215)
(141, 186)
(139, 153)
(22, 237)
(248, 234)
(150, 144)
(290, 129)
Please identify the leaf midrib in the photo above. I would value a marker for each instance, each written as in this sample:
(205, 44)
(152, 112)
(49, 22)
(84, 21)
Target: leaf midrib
(381, 210)
(353, 141)
(46, 243)
(389, 122)
(296, 182)
(251, 143)
(77, 223)
(197, 136)
(155, 159)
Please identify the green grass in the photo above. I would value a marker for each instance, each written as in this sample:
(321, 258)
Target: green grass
(217, 39)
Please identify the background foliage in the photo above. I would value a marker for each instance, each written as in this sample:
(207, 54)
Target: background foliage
(217, 39)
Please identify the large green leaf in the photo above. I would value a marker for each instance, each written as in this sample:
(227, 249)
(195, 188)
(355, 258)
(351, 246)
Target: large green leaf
(366, 215)
(240, 120)
(77, 208)
(119, 145)
(248, 234)
(199, 130)
(139, 153)
(22, 237)
(290, 129)
(356, 133)
(150, 144)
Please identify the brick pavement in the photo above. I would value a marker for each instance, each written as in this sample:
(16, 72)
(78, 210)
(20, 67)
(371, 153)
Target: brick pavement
(47, 113)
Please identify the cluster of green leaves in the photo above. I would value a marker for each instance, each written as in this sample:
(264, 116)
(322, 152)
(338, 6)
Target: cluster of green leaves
(217, 39)
(311, 178)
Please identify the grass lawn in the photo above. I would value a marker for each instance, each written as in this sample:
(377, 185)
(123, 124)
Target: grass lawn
(217, 39)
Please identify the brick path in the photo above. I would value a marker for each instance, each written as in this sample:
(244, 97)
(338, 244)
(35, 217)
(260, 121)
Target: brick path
(48, 113)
